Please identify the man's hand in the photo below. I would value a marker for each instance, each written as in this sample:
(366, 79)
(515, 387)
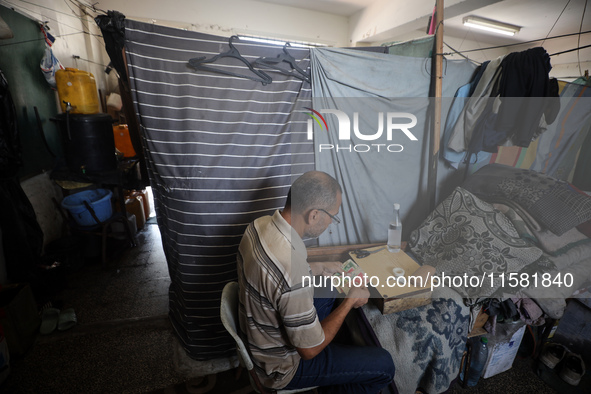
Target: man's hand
(358, 296)
(326, 268)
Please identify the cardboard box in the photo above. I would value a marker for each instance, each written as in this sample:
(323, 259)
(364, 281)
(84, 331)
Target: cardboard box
(389, 296)
(19, 317)
(502, 348)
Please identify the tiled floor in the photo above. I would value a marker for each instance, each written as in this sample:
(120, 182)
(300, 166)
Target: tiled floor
(123, 341)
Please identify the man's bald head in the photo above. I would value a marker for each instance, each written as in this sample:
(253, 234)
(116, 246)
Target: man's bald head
(314, 189)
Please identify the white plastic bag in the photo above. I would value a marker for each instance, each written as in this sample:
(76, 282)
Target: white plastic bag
(49, 63)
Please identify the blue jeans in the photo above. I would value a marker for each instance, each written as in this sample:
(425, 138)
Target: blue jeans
(343, 368)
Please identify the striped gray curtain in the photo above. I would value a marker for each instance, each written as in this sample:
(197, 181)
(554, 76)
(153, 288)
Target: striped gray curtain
(221, 151)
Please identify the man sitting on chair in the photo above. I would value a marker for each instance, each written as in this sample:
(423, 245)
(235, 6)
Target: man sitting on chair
(288, 331)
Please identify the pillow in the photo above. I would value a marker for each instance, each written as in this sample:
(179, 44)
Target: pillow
(546, 240)
(553, 203)
(466, 236)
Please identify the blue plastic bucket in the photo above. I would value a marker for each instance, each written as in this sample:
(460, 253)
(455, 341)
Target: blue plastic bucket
(98, 199)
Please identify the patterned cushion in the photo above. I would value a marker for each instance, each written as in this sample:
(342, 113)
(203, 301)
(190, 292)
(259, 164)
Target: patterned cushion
(465, 235)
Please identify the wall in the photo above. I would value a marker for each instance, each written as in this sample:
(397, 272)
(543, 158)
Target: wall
(75, 31)
(76, 35)
(228, 17)
(19, 62)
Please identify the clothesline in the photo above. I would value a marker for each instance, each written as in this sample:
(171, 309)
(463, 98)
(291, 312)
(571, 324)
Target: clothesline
(570, 50)
(474, 61)
(517, 43)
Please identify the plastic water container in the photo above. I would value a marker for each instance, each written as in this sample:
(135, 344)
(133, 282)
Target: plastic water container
(135, 205)
(123, 140)
(79, 89)
(88, 141)
(479, 354)
(98, 199)
(144, 199)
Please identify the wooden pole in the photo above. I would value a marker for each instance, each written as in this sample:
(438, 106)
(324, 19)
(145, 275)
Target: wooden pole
(437, 81)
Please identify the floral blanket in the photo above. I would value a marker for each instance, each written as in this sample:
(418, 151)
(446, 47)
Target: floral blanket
(426, 343)
(467, 238)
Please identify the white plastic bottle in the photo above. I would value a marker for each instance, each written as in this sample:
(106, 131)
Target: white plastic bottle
(395, 231)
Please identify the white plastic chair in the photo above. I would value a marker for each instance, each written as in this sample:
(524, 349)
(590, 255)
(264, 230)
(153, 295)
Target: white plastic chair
(229, 316)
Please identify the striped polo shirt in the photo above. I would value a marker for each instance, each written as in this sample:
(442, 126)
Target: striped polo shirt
(277, 314)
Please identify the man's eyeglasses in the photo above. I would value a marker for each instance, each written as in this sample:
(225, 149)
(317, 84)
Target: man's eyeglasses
(333, 217)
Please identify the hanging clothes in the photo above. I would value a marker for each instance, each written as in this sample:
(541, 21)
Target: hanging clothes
(456, 110)
(112, 28)
(464, 128)
(524, 75)
(559, 147)
(512, 104)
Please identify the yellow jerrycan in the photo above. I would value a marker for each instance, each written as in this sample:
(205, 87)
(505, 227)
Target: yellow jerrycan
(78, 88)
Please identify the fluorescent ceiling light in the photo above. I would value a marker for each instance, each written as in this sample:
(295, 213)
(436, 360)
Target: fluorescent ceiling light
(278, 42)
(490, 25)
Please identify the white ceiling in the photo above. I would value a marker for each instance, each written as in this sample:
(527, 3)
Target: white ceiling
(538, 18)
(375, 22)
(336, 7)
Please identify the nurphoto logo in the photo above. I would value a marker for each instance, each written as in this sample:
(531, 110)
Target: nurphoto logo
(396, 123)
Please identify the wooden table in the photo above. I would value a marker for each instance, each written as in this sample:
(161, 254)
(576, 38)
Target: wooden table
(389, 299)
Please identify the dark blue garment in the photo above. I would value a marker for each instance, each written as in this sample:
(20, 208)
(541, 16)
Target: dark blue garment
(525, 74)
(343, 368)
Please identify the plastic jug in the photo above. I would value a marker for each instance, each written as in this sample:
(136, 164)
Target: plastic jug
(78, 88)
(143, 197)
(123, 140)
(134, 204)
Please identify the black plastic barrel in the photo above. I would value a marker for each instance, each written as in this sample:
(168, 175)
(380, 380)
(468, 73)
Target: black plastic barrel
(89, 145)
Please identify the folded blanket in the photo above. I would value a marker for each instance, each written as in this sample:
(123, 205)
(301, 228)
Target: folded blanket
(552, 202)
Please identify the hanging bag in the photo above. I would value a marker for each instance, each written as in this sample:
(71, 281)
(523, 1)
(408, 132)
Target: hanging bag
(49, 63)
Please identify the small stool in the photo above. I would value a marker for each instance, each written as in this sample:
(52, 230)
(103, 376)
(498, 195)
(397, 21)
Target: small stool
(102, 228)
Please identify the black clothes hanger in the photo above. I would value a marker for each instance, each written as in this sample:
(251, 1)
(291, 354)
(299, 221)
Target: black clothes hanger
(198, 63)
(272, 63)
